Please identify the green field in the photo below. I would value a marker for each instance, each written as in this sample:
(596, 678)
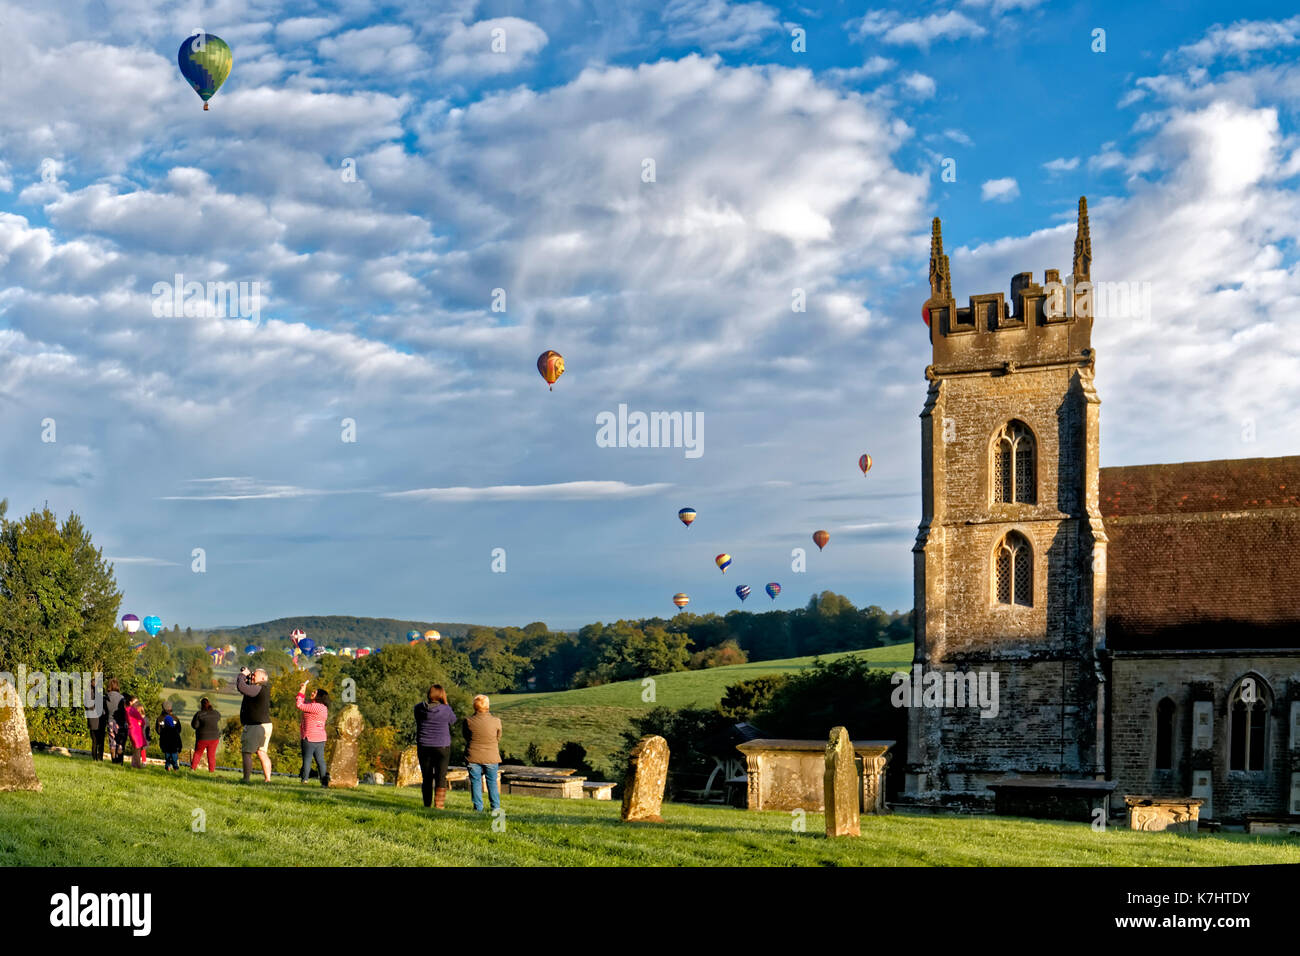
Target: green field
(596, 716)
(115, 816)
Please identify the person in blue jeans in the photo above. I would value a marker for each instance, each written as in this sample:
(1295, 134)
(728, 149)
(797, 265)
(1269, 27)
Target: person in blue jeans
(482, 737)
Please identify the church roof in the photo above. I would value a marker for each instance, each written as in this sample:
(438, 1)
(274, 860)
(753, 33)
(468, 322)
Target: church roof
(1203, 554)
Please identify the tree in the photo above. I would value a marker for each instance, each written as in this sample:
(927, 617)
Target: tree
(742, 700)
(155, 662)
(58, 612)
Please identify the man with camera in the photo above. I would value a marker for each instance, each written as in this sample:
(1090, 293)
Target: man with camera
(255, 715)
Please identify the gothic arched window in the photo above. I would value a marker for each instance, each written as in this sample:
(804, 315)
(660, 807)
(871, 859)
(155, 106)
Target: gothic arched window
(1165, 735)
(1247, 713)
(1013, 571)
(1013, 472)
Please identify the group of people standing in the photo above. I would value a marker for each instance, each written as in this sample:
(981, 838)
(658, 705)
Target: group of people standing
(121, 718)
(434, 719)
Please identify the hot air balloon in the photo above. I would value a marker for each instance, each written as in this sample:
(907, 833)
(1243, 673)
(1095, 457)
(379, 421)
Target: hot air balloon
(251, 649)
(723, 561)
(432, 636)
(363, 652)
(131, 623)
(742, 591)
(307, 645)
(205, 63)
(865, 464)
(141, 646)
(297, 635)
(318, 652)
(773, 590)
(347, 652)
(551, 364)
(153, 624)
(681, 600)
(686, 515)
(229, 648)
(412, 636)
(925, 314)
(820, 538)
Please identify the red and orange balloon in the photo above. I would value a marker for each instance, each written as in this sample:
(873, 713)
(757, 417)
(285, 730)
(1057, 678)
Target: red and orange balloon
(551, 365)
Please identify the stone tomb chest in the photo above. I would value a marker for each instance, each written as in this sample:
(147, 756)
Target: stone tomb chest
(1176, 814)
(789, 774)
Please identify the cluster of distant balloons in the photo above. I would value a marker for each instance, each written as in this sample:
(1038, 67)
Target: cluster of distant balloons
(723, 561)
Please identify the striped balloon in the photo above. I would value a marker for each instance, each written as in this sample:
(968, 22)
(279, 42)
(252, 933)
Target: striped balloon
(723, 561)
(681, 600)
(743, 591)
(865, 464)
(773, 590)
(687, 515)
(205, 62)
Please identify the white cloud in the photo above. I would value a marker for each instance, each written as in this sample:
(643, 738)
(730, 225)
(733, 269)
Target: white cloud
(1243, 38)
(718, 24)
(561, 491)
(999, 190)
(893, 29)
(919, 85)
(468, 50)
(387, 48)
(1061, 164)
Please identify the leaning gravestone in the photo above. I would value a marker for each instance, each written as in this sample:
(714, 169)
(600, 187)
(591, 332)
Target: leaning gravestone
(643, 791)
(343, 768)
(17, 771)
(408, 771)
(841, 786)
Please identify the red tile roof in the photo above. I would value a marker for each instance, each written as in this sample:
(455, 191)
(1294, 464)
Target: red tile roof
(1203, 554)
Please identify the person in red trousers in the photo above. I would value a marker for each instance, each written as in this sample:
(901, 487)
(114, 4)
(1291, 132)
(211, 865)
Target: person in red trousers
(207, 734)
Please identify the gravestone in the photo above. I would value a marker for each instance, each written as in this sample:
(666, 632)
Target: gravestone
(17, 771)
(408, 771)
(841, 786)
(643, 791)
(343, 768)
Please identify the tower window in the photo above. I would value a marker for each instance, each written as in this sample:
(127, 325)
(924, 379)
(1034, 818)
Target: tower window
(1013, 571)
(1165, 735)
(1014, 475)
(1246, 717)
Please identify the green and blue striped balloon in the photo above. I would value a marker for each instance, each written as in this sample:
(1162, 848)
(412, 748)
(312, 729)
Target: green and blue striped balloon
(205, 62)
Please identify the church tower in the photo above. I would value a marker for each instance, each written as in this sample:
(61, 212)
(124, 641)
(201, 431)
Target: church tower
(1010, 555)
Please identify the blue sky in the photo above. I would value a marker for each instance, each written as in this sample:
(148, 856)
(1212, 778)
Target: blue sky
(522, 170)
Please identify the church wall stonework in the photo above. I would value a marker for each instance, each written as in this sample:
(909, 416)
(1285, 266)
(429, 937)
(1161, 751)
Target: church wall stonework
(1140, 682)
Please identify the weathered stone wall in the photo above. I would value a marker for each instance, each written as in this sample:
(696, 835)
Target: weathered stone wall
(1045, 724)
(1140, 681)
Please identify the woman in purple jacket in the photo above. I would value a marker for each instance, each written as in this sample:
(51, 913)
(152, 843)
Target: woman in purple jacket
(433, 723)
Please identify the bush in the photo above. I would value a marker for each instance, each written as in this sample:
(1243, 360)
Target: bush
(742, 700)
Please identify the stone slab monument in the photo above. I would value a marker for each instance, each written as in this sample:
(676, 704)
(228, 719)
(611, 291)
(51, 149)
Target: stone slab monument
(643, 791)
(408, 771)
(840, 783)
(343, 768)
(17, 771)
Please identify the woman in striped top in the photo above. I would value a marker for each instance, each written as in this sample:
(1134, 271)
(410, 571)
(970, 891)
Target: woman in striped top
(312, 727)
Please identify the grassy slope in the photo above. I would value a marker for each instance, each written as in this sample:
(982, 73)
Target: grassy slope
(596, 716)
(115, 816)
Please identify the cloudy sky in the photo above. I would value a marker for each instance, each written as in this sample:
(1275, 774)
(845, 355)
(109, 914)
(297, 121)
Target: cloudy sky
(379, 173)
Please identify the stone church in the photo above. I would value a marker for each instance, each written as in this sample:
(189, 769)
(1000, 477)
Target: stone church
(1143, 621)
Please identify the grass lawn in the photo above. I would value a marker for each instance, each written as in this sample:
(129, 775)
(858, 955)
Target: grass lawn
(596, 716)
(109, 815)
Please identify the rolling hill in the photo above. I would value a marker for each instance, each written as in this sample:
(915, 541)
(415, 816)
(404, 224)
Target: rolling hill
(596, 717)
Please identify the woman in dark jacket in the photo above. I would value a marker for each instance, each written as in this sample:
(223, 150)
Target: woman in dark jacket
(207, 734)
(433, 723)
(97, 721)
(115, 707)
